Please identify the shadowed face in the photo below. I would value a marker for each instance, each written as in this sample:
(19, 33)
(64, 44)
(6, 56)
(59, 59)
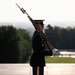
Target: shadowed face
(39, 24)
(41, 27)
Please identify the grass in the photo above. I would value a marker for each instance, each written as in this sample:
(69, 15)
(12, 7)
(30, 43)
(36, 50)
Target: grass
(49, 59)
(59, 59)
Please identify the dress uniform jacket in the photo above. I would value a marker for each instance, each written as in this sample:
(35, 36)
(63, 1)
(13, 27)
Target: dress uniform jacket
(38, 45)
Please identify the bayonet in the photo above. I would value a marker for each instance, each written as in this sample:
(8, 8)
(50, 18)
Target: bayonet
(23, 11)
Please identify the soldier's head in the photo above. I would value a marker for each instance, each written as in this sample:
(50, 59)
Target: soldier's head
(40, 24)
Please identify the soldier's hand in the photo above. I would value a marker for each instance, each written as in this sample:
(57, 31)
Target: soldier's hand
(54, 51)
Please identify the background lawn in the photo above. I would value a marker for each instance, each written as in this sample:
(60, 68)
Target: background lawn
(59, 59)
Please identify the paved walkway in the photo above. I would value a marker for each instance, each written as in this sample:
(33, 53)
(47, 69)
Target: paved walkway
(25, 69)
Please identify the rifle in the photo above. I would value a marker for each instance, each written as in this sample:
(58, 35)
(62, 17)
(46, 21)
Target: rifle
(50, 47)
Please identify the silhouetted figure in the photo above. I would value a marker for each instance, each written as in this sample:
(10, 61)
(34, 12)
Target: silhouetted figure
(37, 60)
(39, 43)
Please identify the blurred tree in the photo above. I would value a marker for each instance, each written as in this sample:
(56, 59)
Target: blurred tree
(24, 44)
(8, 44)
(52, 34)
(14, 45)
(62, 38)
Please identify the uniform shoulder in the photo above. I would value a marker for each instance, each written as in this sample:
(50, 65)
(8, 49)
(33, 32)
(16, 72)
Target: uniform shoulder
(36, 32)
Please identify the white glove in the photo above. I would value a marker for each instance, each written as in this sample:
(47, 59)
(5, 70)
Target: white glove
(54, 51)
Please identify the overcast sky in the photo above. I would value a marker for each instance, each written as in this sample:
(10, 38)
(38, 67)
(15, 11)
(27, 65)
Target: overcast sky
(49, 10)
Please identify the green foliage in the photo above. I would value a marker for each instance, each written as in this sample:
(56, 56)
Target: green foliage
(8, 44)
(14, 45)
(24, 44)
(62, 38)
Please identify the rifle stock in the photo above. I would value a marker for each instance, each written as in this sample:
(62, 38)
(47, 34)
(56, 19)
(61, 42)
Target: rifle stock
(50, 47)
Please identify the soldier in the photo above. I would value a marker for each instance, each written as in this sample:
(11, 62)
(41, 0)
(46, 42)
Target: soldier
(39, 42)
(37, 60)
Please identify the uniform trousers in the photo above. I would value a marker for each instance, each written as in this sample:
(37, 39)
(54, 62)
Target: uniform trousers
(38, 70)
